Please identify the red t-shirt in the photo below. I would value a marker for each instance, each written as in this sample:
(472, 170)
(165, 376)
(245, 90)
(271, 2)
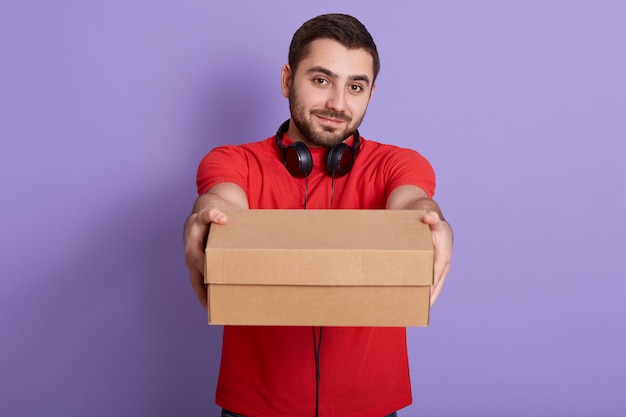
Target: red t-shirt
(271, 371)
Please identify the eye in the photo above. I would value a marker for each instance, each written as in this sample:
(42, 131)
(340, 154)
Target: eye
(356, 88)
(320, 81)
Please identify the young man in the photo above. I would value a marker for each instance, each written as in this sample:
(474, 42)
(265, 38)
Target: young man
(317, 160)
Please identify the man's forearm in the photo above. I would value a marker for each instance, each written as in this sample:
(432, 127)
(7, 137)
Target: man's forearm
(222, 196)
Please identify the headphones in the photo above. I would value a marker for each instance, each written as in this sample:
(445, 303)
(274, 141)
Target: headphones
(299, 162)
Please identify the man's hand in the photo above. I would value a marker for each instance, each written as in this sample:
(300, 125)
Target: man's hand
(195, 235)
(409, 197)
(206, 210)
(441, 234)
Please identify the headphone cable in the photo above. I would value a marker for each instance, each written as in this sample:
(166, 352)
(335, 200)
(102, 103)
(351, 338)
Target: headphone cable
(317, 345)
(332, 190)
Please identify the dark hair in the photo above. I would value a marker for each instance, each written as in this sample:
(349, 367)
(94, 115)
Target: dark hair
(342, 28)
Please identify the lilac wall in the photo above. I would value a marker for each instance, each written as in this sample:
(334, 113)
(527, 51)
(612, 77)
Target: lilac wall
(107, 107)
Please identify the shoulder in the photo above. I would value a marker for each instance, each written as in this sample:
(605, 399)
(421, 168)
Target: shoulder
(397, 166)
(373, 149)
(264, 144)
(235, 164)
(250, 150)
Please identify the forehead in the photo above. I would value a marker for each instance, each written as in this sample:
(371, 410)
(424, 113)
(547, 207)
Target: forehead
(335, 57)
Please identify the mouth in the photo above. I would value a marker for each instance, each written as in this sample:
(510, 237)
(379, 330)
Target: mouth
(331, 119)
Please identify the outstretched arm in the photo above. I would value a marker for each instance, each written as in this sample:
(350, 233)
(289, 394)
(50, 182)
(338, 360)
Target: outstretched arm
(409, 197)
(207, 210)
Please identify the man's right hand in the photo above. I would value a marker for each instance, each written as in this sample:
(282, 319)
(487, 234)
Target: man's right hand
(206, 210)
(195, 235)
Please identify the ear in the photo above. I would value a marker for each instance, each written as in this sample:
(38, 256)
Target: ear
(285, 80)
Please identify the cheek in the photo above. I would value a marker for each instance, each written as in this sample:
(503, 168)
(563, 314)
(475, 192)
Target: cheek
(312, 100)
(358, 106)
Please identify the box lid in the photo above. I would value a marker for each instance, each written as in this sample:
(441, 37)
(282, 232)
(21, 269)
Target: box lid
(320, 247)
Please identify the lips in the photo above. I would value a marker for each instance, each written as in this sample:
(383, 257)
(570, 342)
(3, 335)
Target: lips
(331, 117)
(330, 121)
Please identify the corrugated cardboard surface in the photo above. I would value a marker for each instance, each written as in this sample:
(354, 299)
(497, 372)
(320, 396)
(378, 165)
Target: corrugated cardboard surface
(320, 267)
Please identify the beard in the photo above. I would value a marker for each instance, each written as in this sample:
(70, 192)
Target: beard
(327, 136)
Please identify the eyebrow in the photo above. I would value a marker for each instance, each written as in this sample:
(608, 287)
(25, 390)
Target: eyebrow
(331, 74)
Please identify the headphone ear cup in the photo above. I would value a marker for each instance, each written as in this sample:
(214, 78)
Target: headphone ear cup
(340, 159)
(298, 160)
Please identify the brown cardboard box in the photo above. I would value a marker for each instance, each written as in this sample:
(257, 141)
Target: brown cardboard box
(320, 267)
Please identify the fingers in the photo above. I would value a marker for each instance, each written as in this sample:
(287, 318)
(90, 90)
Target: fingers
(196, 238)
(213, 215)
(197, 227)
(441, 234)
(431, 218)
(435, 221)
(439, 281)
(195, 234)
(199, 288)
(441, 268)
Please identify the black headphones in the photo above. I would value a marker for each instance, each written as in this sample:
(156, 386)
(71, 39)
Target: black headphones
(299, 162)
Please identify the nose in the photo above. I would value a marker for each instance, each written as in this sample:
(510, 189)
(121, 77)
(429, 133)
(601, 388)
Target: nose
(336, 99)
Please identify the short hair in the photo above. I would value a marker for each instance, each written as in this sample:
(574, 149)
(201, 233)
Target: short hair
(343, 28)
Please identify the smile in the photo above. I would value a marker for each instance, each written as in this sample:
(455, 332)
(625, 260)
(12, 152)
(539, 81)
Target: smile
(328, 119)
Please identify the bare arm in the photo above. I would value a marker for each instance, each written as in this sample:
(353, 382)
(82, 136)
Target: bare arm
(207, 210)
(409, 197)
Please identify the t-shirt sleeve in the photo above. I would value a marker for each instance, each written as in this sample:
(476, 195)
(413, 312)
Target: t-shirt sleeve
(408, 167)
(222, 164)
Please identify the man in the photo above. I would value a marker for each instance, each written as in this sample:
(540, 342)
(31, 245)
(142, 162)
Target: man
(316, 160)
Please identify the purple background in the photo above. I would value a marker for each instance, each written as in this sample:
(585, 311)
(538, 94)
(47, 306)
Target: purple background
(107, 107)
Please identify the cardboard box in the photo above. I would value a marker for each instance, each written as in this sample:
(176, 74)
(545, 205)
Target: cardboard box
(320, 267)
